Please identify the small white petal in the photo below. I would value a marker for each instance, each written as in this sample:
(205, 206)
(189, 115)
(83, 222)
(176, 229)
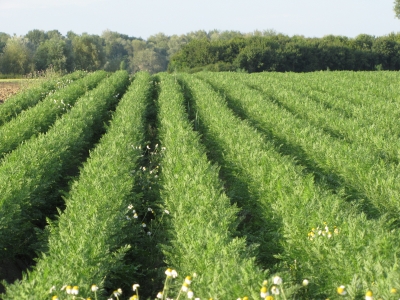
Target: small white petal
(277, 280)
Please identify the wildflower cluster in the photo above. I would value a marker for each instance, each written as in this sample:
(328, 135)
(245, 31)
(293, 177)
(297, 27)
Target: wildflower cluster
(185, 288)
(62, 105)
(66, 292)
(268, 291)
(135, 288)
(116, 294)
(323, 231)
(150, 229)
(341, 290)
(148, 176)
(72, 292)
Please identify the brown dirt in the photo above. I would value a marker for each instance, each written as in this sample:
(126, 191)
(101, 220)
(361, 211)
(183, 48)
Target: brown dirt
(7, 89)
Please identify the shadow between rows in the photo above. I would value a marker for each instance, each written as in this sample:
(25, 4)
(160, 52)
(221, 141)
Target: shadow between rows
(261, 234)
(326, 180)
(327, 130)
(385, 156)
(146, 255)
(53, 201)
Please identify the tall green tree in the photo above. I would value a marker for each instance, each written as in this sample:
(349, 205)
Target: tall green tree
(397, 8)
(175, 43)
(148, 60)
(3, 40)
(36, 37)
(53, 52)
(117, 49)
(88, 52)
(17, 56)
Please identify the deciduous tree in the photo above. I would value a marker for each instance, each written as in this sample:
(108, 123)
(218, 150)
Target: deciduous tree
(397, 8)
(17, 57)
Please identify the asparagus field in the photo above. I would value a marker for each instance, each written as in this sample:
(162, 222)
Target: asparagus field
(205, 186)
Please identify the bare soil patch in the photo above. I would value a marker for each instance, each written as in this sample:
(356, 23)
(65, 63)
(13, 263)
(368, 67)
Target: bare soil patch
(7, 89)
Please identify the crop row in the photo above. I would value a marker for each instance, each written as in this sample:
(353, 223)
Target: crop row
(372, 181)
(40, 117)
(30, 97)
(251, 177)
(30, 176)
(371, 98)
(370, 123)
(351, 129)
(91, 236)
(320, 233)
(201, 229)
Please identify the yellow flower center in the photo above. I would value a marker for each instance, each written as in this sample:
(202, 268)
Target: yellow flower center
(340, 290)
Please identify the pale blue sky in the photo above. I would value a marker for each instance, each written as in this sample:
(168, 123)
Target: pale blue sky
(311, 18)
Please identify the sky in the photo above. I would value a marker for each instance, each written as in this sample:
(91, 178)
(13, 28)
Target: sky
(310, 18)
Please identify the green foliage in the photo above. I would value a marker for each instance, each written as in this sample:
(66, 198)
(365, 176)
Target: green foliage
(3, 40)
(117, 50)
(88, 52)
(201, 240)
(195, 51)
(31, 96)
(88, 241)
(53, 52)
(321, 234)
(283, 181)
(16, 57)
(282, 53)
(32, 173)
(36, 37)
(40, 117)
(148, 60)
(396, 8)
(346, 145)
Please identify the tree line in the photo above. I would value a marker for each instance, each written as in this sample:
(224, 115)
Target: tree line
(110, 51)
(278, 52)
(214, 50)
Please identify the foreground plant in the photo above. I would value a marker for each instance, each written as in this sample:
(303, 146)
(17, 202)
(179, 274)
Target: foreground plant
(96, 203)
(202, 222)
